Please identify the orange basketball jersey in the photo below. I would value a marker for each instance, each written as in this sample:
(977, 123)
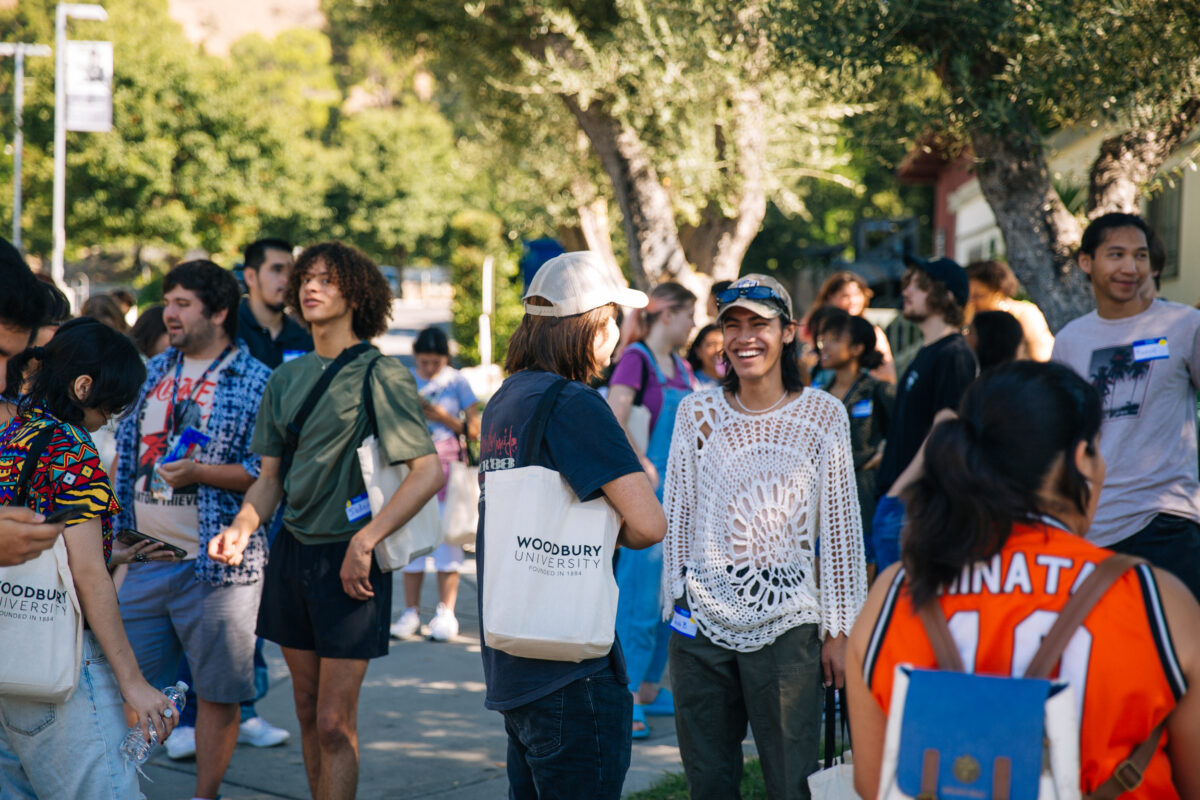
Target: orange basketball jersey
(1120, 662)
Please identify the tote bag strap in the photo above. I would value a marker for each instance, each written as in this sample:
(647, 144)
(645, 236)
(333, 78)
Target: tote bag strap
(369, 401)
(292, 437)
(541, 416)
(36, 448)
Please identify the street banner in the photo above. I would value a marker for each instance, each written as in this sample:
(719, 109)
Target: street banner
(89, 69)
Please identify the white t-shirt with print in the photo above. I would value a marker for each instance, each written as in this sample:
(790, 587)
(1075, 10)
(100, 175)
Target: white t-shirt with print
(176, 521)
(1147, 370)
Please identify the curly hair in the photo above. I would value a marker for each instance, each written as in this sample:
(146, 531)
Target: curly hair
(357, 278)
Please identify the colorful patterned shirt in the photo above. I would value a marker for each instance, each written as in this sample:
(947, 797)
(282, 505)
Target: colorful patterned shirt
(231, 426)
(69, 471)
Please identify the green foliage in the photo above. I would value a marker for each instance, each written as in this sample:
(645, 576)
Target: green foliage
(473, 236)
(210, 153)
(680, 75)
(1050, 62)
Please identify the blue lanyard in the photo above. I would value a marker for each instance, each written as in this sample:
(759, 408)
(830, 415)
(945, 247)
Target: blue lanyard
(195, 386)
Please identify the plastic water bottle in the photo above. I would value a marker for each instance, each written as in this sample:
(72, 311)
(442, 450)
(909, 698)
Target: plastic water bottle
(135, 747)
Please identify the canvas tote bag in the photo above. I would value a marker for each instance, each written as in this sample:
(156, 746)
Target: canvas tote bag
(41, 623)
(423, 533)
(460, 515)
(548, 587)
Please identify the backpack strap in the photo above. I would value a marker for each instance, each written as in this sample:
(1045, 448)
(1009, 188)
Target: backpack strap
(1128, 774)
(944, 649)
(291, 439)
(36, 448)
(1075, 612)
(639, 399)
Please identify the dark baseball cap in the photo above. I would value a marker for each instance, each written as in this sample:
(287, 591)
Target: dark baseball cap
(946, 271)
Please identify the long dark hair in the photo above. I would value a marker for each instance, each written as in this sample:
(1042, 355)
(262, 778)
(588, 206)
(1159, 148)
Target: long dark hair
(860, 331)
(79, 347)
(984, 470)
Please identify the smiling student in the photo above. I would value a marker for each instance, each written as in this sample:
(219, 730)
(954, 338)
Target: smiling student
(1143, 356)
(325, 601)
(760, 468)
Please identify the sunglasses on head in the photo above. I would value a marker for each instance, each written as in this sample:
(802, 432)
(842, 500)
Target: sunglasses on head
(750, 293)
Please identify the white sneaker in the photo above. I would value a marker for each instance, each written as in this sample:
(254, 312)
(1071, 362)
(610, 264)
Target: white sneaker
(181, 743)
(444, 626)
(407, 626)
(257, 732)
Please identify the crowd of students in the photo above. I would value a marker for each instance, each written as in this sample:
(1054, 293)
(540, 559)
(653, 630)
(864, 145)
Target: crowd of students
(791, 513)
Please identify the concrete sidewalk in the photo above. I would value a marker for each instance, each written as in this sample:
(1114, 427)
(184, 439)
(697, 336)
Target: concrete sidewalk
(423, 730)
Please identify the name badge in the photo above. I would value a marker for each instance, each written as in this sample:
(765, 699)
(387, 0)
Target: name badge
(862, 408)
(358, 508)
(1151, 349)
(683, 624)
(291, 355)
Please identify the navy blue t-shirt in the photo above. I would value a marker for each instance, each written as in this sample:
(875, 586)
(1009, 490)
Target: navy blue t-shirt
(585, 444)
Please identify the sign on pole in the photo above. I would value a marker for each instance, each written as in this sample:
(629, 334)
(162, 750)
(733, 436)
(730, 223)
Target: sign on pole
(89, 70)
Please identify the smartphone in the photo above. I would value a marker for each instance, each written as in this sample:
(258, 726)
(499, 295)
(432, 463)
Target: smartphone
(65, 515)
(130, 537)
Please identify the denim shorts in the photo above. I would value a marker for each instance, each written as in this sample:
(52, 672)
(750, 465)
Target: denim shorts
(70, 749)
(574, 743)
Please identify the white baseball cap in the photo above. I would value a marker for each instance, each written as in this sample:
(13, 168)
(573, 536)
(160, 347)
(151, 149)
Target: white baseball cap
(577, 282)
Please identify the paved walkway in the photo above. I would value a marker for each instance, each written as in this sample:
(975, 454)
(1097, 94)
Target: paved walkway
(423, 729)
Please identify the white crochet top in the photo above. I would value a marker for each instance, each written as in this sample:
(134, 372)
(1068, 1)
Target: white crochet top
(746, 496)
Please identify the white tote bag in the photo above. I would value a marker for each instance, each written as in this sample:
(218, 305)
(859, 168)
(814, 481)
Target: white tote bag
(548, 585)
(421, 535)
(41, 626)
(460, 513)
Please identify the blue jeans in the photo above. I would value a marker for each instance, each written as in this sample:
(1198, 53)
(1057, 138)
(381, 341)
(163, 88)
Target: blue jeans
(574, 743)
(68, 749)
(1171, 543)
(885, 531)
(640, 629)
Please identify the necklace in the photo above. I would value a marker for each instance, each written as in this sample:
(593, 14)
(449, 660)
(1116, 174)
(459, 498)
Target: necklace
(771, 407)
(324, 363)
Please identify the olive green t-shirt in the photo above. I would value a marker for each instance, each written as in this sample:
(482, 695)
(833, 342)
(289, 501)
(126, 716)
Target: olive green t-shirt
(325, 472)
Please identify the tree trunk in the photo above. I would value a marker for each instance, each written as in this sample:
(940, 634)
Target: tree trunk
(1129, 161)
(1040, 235)
(592, 208)
(655, 252)
(718, 244)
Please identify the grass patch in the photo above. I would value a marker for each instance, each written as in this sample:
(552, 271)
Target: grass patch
(674, 786)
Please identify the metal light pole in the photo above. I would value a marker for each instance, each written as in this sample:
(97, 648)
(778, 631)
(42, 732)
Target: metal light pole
(19, 51)
(65, 10)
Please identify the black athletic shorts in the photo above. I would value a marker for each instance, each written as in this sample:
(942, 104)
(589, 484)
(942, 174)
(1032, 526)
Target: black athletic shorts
(304, 607)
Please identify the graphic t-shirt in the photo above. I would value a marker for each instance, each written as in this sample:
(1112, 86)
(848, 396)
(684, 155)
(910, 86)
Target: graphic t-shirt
(176, 520)
(586, 445)
(635, 367)
(68, 474)
(325, 473)
(1147, 369)
(935, 379)
(450, 390)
